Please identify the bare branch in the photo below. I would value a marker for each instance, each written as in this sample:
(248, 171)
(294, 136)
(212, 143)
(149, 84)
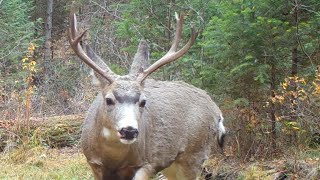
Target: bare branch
(106, 10)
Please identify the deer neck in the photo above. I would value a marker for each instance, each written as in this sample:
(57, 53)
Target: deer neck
(112, 150)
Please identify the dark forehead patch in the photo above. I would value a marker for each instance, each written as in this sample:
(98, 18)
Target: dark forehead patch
(128, 97)
(127, 91)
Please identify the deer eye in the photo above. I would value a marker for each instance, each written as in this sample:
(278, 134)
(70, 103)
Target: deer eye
(142, 103)
(109, 101)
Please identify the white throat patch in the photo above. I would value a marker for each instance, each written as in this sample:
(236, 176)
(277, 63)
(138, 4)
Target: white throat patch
(106, 132)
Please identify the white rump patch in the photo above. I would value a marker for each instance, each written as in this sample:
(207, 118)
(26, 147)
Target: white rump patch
(106, 132)
(221, 128)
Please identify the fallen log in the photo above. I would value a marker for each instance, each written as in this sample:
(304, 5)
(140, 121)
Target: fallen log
(53, 132)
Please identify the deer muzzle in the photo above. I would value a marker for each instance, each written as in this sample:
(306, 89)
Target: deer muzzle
(128, 133)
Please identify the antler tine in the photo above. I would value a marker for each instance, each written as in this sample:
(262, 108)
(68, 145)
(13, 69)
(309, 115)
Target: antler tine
(75, 39)
(172, 54)
(175, 44)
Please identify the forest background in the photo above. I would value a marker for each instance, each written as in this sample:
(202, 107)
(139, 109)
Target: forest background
(258, 59)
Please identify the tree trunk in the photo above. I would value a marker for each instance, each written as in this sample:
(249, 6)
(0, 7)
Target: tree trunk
(273, 108)
(294, 64)
(294, 52)
(48, 35)
(294, 72)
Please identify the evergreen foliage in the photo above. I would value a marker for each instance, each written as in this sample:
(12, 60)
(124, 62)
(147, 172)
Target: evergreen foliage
(18, 30)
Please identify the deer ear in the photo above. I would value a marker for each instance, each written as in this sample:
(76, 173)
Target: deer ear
(97, 79)
(141, 59)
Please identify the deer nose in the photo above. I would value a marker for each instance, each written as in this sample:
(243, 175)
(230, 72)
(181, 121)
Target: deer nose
(129, 133)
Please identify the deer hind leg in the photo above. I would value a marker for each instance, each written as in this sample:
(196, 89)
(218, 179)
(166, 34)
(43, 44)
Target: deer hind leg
(171, 172)
(189, 172)
(177, 171)
(187, 166)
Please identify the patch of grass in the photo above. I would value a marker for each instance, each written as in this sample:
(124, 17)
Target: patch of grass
(255, 172)
(42, 163)
(310, 153)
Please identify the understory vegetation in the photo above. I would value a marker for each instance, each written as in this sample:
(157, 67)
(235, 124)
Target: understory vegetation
(258, 59)
(51, 151)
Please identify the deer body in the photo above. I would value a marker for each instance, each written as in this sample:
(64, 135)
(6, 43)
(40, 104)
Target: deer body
(137, 127)
(178, 123)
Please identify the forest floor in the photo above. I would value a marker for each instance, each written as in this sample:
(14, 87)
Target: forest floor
(70, 163)
(45, 156)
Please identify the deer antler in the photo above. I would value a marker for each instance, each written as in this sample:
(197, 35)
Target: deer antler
(75, 39)
(172, 54)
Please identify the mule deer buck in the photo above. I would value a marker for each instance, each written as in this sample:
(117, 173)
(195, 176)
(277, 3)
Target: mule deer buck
(137, 127)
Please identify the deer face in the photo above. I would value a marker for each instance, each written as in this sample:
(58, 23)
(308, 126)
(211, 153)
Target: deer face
(124, 103)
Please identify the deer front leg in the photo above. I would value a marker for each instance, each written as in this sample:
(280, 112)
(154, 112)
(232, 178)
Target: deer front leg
(144, 173)
(97, 171)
